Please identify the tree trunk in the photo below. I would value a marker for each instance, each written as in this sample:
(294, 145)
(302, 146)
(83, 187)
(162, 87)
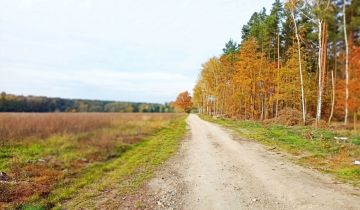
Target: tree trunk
(333, 79)
(355, 119)
(245, 113)
(300, 69)
(333, 96)
(324, 54)
(278, 76)
(207, 106)
(346, 67)
(223, 103)
(319, 101)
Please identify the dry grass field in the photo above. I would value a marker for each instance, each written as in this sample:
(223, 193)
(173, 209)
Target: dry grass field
(43, 152)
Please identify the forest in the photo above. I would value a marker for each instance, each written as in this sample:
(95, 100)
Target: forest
(302, 56)
(15, 103)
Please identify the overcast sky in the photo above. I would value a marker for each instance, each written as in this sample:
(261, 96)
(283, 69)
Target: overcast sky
(125, 50)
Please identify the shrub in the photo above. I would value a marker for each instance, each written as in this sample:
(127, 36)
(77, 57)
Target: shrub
(290, 117)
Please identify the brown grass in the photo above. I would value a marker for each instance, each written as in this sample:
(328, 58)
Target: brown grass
(40, 150)
(17, 126)
(290, 117)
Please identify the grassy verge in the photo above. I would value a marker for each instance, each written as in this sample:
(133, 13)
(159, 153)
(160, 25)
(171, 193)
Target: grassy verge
(120, 175)
(315, 148)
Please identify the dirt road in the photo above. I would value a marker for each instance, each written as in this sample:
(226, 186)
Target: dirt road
(214, 171)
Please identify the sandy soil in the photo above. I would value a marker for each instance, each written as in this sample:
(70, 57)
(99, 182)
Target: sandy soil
(213, 170)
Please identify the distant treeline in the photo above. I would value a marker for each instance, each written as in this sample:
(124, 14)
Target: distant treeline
(16, 103)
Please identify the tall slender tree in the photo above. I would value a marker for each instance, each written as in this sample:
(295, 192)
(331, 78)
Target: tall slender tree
(346, 65)
(292, 4)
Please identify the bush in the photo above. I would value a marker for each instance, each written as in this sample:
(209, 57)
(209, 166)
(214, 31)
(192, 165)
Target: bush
(290, 117)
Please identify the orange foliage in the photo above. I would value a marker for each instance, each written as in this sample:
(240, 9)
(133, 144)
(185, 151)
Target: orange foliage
(183, 102)
(354, 84)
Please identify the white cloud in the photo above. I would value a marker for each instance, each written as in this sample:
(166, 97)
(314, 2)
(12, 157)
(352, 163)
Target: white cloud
(86, 48)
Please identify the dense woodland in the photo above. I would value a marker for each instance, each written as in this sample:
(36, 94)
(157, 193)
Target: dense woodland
(14, 103)
(302, 55)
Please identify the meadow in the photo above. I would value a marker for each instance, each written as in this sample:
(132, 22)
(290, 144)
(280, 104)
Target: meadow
(48, 158)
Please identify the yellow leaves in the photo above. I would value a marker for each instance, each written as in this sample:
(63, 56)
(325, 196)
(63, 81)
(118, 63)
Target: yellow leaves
(183, 102)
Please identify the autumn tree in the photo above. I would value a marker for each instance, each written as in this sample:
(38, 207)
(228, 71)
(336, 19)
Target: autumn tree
(292, 4)
(183, 102)
(304, 56)
(354, 85)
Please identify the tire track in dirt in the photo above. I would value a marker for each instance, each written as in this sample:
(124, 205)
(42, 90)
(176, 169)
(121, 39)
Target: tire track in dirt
(214, 171)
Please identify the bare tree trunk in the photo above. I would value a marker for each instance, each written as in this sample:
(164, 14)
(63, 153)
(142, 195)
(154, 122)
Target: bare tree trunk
(333, 96)
(319, 101)
(223, 104)
(201, 104)
(207, 106)
(261, 107)
(266, 108)
(355, 119)
(300, 69)
(333, 79)
(324, 54)
(346, 67)
(278, 77)
(204, 103)
(217, 105)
